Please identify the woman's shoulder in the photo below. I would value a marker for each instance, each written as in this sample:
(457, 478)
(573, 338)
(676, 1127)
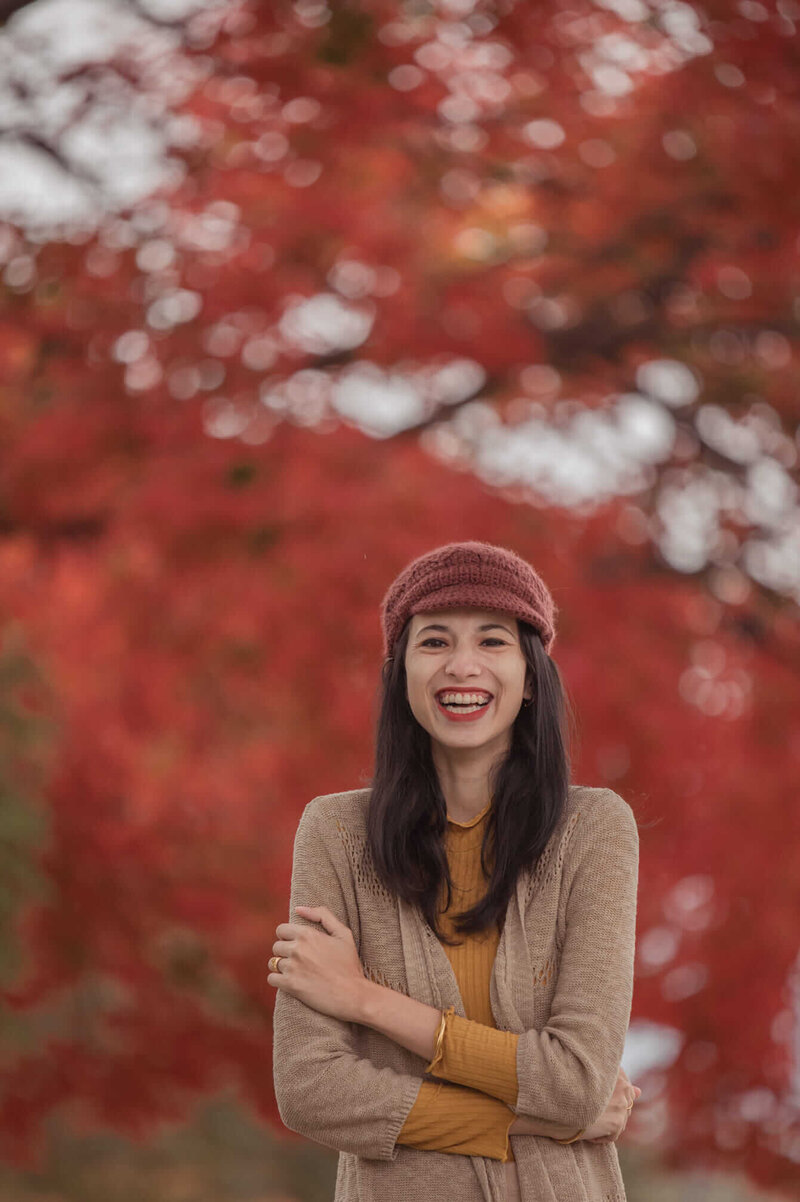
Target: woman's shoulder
(599, 817)
(598, 804)
(586, 797)
(348, 808)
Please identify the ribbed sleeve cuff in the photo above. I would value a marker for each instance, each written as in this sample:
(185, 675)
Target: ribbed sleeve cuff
(478, 1056)
(449, 1118)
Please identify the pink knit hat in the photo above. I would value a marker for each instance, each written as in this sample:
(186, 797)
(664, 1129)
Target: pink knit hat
(468, 574)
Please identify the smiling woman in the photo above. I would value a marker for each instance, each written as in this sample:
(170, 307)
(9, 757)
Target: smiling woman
(466, 679)
(456, 1026)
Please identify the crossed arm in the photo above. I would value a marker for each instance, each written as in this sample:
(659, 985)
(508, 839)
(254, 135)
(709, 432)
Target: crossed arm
(474, 1120)
(565, 1072)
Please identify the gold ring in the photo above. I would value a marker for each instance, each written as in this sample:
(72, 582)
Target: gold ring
(631, 1105)
(274, 961)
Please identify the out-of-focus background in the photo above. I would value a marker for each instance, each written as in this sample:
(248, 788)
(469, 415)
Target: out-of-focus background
(292, 292)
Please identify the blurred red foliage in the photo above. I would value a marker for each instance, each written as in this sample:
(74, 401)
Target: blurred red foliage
(190, 621)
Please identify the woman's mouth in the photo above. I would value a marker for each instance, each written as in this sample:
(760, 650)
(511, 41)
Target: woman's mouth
(462, 705)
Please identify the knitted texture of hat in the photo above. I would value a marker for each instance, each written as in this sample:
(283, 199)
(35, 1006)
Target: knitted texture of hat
(468, 574)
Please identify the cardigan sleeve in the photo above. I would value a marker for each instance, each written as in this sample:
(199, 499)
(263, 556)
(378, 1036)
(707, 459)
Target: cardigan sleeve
(567, 1070)
(323, 1088)
(450, 1118)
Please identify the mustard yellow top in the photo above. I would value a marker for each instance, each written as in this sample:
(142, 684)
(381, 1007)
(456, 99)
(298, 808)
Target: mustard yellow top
(464, 1118)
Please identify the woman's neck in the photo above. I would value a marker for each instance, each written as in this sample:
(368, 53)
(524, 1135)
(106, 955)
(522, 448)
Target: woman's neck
(463, 779)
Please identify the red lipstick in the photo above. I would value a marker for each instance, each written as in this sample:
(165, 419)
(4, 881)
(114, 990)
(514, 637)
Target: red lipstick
(453, 714)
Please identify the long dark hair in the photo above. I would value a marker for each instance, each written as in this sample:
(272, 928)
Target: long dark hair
(407, 814)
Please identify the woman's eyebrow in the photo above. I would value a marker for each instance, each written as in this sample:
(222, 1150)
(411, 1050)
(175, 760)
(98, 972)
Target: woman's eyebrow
(486, 626)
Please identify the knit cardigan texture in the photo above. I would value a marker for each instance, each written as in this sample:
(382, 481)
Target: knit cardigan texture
(562, 980)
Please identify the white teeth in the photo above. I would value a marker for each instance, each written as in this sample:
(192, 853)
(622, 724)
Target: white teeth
(463, 699)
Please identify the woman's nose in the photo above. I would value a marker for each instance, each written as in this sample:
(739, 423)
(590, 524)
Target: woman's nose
(462, 661)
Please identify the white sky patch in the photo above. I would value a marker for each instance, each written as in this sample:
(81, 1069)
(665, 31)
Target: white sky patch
(173, 308)
(455, 381)
(774, 560)
(689, 511)
(628, 10)
(596, 455)
(132, 151)
(669, 381)
(130, 346)
(771, 493)
(697, 507)
(738, 440)
(544, 133)
(325, 323)
(212, 230)
(469, 64)
(682, 23)
(380, 401)
(766, 498)
(657, 947)
(381, 404)
(176, 10)
(62, 35)
(36, 191)
(111, 136)
(677, 20)
(623, 51)
(649, 1046)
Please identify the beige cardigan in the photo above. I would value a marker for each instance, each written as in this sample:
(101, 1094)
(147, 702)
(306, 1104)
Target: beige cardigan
(562, 979)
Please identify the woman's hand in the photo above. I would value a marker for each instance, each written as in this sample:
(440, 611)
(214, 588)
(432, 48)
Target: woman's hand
(321, 968)
(612, 1121)
(608, 1127)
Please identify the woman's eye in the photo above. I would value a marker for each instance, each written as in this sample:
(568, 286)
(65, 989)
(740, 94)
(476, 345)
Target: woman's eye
(429, 641)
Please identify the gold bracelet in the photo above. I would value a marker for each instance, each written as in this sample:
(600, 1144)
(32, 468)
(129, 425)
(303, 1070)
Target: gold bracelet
(572, 1138)
(437, 1047)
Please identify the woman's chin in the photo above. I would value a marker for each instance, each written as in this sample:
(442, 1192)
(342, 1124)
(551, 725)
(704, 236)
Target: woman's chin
(470, 738)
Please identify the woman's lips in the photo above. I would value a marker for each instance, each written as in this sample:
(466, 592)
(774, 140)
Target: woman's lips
(454, 716)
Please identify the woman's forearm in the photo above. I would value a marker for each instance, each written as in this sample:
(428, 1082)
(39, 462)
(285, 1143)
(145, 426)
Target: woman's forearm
(402, 1019)
(523, 1125)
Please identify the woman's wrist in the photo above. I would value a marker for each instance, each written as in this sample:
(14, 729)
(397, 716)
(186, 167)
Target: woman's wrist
(400, 1018)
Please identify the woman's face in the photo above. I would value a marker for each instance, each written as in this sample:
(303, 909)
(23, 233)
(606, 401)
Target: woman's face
(465, 677)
